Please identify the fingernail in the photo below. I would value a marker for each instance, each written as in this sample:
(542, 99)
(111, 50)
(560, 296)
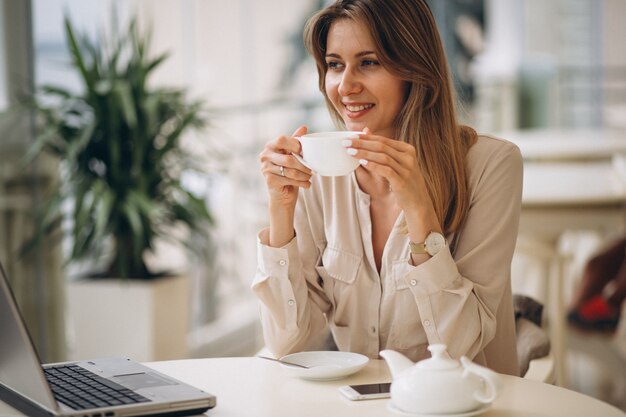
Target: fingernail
(363, 162)
(354, 136)
(351, 151)
(346, 142)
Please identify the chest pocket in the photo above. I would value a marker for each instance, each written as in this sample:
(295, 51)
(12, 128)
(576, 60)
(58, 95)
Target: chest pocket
(339, 265)
(338, 271)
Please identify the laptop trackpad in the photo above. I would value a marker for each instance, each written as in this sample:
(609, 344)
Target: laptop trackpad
(142, 380)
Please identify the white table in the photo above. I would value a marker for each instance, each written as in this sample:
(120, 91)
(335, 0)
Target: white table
(568, 144)
(258, 388)
(569, 195)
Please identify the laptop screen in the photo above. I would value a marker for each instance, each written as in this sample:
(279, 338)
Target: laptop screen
(20, 368)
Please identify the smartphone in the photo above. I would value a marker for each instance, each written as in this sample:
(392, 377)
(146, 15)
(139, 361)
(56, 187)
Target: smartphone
(366, 391)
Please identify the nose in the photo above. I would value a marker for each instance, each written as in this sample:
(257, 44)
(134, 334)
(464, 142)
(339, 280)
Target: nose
(349, 83)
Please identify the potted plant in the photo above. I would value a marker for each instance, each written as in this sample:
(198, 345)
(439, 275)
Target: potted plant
(118, 143)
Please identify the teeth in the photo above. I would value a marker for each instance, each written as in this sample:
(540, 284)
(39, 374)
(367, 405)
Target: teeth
(359, 108)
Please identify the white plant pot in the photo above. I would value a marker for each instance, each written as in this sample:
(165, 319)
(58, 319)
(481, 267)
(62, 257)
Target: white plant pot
(141, 320)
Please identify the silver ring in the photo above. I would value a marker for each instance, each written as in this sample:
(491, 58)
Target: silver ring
(282, 171)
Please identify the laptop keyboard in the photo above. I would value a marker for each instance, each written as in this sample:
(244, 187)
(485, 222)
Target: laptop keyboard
(81, 389)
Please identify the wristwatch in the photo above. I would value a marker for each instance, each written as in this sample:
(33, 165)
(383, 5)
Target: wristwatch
(432, 245)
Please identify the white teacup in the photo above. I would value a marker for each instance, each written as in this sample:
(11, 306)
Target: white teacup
(323, 153)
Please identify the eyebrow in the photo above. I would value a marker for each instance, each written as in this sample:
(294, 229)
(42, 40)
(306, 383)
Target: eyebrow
(359, 55)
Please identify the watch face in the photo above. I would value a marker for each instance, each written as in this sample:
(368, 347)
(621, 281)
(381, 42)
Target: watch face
(434, 243)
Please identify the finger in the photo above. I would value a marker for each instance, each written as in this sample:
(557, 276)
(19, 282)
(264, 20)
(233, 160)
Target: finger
(398, 145)
(287, 144)
(385, 171)
(291, 162)
(270, 158)
(271, 163)
(295, 173)
(375, 150)
(275, 179)
(401, 152)
(300, 131)
(297, 164)
(381, 158)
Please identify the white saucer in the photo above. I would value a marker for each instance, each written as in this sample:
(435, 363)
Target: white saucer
(324, 365)
(475, 412)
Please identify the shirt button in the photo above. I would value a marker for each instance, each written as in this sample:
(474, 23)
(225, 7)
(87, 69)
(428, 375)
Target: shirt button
(373, 329)
(413, 282)
(426, 322)
(290, 302)
(282, 262)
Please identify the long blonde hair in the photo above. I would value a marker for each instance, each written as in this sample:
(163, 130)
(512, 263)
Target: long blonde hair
(408, 45)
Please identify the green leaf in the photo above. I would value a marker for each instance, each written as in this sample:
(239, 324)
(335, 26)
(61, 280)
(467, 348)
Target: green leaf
(56, 91)
(103, 213)
(78, 146)
(156, 62)
(125, 96)
(76, 54)
(134, 221)
(45, 224)
(41, 141)
(118, 141)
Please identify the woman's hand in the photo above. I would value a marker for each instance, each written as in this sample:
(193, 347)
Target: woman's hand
(283, 173)
(396, 161)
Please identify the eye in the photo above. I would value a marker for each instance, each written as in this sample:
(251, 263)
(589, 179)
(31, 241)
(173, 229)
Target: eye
(333, 65)
(369, 63)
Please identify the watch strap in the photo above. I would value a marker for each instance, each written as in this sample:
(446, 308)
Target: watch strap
(418, 248)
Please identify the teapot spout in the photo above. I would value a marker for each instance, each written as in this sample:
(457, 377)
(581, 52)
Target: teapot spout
(396, 362)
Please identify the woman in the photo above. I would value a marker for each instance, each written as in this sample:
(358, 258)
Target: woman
(364, 254)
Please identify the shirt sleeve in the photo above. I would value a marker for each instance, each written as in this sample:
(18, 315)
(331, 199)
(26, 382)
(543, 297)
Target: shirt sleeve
(293, 303)
(458, 296)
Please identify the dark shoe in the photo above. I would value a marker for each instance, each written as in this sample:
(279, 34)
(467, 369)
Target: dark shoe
(595, 315)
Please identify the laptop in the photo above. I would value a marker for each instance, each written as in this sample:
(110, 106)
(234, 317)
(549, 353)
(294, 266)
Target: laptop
(108, 387)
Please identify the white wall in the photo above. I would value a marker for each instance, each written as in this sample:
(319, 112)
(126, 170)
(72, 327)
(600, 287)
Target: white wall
(232, 54)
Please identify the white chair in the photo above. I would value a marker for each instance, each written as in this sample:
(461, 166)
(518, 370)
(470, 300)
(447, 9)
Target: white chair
(553, 263)
(542, 370)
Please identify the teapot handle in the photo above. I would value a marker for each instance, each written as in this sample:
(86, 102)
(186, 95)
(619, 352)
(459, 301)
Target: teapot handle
(492, 380)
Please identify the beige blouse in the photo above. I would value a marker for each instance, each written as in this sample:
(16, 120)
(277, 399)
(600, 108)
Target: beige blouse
(326, 276)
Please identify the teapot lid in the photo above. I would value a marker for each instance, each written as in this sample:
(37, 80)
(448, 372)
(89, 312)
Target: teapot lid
(438, 360)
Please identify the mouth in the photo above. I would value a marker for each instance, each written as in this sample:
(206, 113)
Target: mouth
(357, 110)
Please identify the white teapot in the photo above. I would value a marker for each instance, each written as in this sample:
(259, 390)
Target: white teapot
(439, 385)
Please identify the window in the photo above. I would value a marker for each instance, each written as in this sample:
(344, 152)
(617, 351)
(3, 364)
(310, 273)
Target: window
(4, 100)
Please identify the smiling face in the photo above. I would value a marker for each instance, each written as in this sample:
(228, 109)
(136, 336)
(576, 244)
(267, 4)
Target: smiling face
(363, 93)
